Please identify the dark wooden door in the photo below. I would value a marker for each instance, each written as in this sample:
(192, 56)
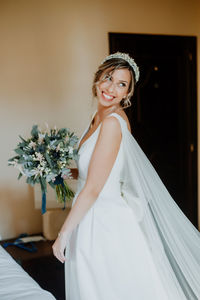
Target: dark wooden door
(163, 114)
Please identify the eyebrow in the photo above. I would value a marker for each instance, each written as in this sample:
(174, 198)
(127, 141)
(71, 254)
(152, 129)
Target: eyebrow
(124, 81)
(110, 74)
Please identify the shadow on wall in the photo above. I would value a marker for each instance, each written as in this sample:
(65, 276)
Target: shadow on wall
(17, 212)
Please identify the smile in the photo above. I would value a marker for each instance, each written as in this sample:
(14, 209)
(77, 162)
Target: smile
(107, 97)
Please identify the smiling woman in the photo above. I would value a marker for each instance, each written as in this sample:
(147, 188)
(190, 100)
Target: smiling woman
(115, 75)
(123, 221)
(111, 87)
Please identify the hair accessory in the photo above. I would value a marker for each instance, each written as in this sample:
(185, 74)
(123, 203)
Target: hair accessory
(128, 59)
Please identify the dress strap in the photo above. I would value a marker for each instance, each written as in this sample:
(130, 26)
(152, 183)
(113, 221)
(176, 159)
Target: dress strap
(120, 119)
(94, 113)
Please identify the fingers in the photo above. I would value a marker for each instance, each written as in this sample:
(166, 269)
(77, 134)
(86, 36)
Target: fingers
(60, 256)
(58, 253)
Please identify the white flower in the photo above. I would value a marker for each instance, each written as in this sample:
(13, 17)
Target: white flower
(66, 173)
(51, 177)
(70, 149)
(58, 148)
(67, 176)
(29, 173)
(41, 138)
(38, 156)
(32, 145)
(43, 163)
(38, 171)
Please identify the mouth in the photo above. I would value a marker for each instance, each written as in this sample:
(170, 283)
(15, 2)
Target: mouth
(107, 97)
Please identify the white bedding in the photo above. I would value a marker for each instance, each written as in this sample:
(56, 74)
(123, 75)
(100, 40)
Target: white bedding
(16, 284)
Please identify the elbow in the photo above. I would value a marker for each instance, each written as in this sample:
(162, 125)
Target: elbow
(92, 192)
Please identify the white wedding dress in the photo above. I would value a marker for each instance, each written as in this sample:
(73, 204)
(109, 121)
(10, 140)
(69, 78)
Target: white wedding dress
(118, 251)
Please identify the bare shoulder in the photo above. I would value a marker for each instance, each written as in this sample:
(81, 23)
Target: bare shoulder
(111, 120)
(110, 135)
(111, 125)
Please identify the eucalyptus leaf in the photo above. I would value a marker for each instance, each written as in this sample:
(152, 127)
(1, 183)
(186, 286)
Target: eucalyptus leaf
(48, 159)
(46, 138)
(34, 131)
(19, 176)
(43, 184)
(52, 184)
(22, 139)
(19, 151)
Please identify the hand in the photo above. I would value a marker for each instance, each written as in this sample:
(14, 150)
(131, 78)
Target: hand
(59, 247)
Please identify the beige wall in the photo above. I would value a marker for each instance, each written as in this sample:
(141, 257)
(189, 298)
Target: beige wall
(49, 52)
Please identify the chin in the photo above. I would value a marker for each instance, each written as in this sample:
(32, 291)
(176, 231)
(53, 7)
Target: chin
(106, 103)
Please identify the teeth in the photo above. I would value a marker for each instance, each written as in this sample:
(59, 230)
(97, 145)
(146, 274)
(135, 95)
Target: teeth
(106, 96)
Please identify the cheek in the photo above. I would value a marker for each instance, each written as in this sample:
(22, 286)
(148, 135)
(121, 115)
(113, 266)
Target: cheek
(102, 85)
(123, 92)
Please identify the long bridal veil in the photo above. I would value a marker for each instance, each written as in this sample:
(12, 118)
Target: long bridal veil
(172, 238)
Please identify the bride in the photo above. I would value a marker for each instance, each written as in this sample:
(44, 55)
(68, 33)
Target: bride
(125, 238)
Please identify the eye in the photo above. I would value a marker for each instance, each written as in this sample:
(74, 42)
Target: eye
(122, 84)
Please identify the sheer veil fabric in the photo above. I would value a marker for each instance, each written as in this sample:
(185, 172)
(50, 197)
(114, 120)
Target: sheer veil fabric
(172, 238)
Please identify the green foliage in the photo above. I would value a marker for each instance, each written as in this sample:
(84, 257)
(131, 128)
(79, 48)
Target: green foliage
(64, 192)
(34, 131)
(45, 156)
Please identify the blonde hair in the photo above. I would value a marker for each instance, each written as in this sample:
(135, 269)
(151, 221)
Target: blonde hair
(110, 66)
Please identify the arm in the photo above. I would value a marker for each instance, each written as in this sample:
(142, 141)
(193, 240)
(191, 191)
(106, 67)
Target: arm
(101, 163)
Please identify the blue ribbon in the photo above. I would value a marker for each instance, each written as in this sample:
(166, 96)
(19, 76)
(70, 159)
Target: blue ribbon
(44, 198)
(59, 180)
(30, 247)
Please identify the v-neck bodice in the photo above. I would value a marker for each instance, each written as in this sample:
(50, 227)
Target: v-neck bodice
(86, 131)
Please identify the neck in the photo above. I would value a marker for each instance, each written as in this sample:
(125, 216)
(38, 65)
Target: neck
(104, 111)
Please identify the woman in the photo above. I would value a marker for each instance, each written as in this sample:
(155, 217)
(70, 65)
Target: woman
(125, 237)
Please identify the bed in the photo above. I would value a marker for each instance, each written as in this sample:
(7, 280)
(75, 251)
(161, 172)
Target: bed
(16, 284)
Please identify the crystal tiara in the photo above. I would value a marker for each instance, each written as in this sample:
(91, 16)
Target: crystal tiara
(128, 59)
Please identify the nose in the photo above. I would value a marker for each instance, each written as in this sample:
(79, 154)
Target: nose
(110, 87)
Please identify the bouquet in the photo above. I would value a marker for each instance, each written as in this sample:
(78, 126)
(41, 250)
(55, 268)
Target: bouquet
(45, 158)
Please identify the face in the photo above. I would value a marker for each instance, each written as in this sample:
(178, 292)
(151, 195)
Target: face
(114, 87)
